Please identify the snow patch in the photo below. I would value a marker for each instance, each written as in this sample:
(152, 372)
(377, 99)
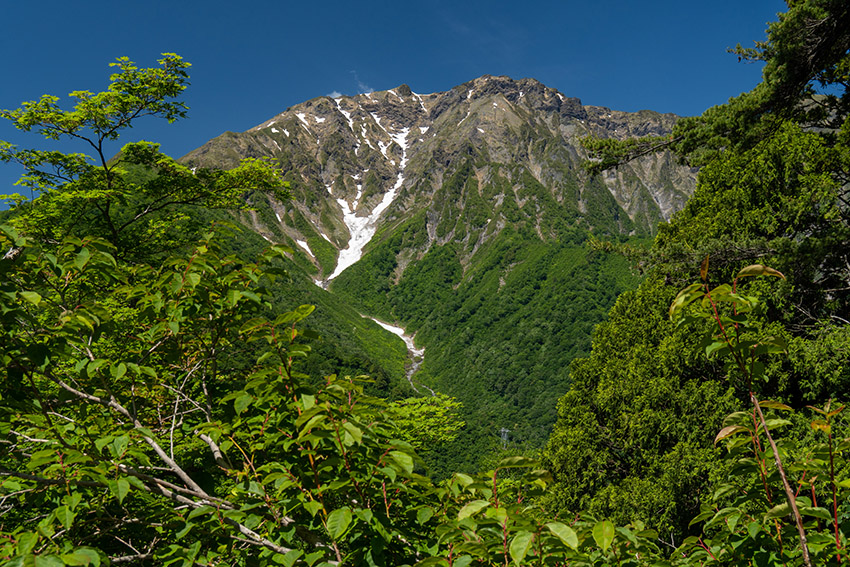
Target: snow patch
(277, 214)
(306, 247)
(325, 236)
(365, 137)
(464, 118)
(419, 98)
(303, 118)
(423, 129)
(408, 340)
(480, 130)
(275, 130)
(285, 131)
(560, 96)
(362, 229)
(346, 114)
(320, 119)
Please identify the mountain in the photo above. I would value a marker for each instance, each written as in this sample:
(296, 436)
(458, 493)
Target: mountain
(462, 216)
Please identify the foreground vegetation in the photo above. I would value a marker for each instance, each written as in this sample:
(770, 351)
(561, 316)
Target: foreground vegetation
(156, 408)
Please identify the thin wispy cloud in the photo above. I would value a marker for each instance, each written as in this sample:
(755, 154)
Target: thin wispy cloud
(334, 94)
(362, 88)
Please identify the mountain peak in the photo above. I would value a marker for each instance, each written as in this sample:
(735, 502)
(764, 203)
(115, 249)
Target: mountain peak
(464, 164)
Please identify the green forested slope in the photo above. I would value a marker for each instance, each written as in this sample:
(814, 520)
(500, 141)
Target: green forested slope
(500, 310)
(645, 405)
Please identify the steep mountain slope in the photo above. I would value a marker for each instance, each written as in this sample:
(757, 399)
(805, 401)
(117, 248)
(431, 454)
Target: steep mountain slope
(389, 154)
(462, 215)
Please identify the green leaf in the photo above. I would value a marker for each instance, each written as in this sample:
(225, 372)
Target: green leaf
(520, 546)
(243, 400)
(516, 462)
(119, 488)
(778, 511)
(313, 557)
(118, 370)
(770, 404)
(686, 296)
(200, 511)
(312, 506)
(355, 432)
(26, 542)
(564, 533)
(403, 460)
(65, 516)
(716, 347)
(729, 431)
(48, 561)
(603, 534)
(432, 562)
(471, 508)
(365, 514)
(338, 522)
(424, 514)
(119, 446)
(759, 270)
(499, 514)
(82, 556)
(92, 366)
(291, 556)
(463, 479)
(30, 297)
(774, 423)
(82, 258)
(821, 513)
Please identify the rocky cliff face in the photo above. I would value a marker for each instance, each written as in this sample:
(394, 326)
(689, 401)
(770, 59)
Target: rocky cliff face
(466, 163)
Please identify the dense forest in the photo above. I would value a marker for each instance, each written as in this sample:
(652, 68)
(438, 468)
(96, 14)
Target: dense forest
(169, 398)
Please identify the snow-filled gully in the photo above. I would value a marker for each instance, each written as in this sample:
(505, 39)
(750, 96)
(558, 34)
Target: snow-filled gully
(361, 228)
(416, 354)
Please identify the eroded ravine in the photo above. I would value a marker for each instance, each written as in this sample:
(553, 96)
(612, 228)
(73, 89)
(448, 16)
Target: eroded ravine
(417, 355)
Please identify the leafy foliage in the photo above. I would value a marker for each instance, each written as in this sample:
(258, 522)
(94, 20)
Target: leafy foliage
(138, 200)
(806, 55)
(772, 190)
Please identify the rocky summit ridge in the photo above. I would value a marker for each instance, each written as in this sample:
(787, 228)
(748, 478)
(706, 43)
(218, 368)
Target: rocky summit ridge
(464, 163)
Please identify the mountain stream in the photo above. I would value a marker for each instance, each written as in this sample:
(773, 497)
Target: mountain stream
(416, 354)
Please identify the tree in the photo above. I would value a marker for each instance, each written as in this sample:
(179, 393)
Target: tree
(804, 81)
(772, 189)
(136, 200)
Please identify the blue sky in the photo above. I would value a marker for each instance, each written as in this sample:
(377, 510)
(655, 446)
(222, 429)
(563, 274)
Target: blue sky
(251, 59)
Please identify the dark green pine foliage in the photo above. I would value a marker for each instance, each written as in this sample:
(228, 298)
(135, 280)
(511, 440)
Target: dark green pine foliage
(634, 434)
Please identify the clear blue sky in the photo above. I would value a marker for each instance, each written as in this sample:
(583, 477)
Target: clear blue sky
(251, 59)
